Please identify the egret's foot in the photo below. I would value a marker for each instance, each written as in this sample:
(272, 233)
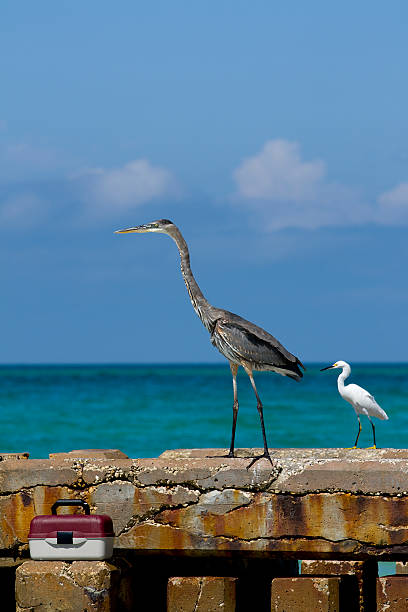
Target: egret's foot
(368, 447)
(265, 455)
(351, 447)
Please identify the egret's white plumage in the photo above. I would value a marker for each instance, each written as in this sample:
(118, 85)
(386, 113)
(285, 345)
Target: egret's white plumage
(361, 400)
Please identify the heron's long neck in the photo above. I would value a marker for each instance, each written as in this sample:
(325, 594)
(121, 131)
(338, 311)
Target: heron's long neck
(200, 304)
(345, 373)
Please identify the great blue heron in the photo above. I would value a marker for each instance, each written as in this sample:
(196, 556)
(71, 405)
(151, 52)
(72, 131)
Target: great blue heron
(361, 400)
(241, 342)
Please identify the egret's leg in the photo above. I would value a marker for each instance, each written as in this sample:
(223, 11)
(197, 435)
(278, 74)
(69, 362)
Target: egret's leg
(372, 425)
(234, 370)
(260, 411)
(359, 432)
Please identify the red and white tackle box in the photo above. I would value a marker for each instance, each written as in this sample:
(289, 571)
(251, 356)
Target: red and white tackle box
(71, 536)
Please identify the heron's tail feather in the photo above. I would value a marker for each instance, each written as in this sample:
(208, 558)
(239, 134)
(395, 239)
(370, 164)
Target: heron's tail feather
(295, 377)
(293, 371)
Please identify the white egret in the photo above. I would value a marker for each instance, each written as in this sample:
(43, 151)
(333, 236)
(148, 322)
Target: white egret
(361, 400)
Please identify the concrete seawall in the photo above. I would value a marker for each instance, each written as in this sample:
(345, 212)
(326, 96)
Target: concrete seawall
(187, 511)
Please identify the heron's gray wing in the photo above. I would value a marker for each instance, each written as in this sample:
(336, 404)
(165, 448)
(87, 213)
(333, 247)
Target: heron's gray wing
(258, 336)
(251, 347)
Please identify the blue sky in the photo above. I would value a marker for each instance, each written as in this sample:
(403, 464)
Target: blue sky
(274, 134)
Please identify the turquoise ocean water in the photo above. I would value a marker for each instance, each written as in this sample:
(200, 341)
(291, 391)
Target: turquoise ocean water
(146, 409)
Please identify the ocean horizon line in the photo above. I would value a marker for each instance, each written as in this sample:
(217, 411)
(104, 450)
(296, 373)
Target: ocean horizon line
(171, 363)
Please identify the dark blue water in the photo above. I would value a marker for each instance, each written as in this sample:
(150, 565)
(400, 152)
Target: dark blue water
(144, 410)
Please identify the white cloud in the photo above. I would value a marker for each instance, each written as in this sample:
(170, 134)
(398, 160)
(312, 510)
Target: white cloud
(398, 196)
(278, 173)
(286, 191)
(393, 206)
(31, 176)
(135, 183)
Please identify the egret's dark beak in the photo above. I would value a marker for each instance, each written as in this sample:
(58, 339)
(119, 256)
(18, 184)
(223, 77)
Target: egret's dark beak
(139, 229)
(328, 368)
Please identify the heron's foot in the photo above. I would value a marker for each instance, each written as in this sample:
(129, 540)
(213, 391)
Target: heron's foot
(265, 455)
(229, 455)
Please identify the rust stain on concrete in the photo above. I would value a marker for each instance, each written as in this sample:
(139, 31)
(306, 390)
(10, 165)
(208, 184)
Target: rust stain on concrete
(16, 514)
(334, 517)
(211, 504)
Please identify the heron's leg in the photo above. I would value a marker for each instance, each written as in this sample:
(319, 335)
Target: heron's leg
(372, 425)
(234, 370)
(260, 411)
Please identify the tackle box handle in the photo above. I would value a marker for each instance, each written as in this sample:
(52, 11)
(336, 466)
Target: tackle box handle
(70, 502)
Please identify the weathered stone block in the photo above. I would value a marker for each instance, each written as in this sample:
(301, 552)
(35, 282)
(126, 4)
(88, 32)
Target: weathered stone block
(392, 594)
(401, 567)
(332, 567)
(301, 470)
(211, 469)
(319, 503)
(95, 471)
(201, 594)
(123, 501)
(13, 456)
(178, 471)
(16, 474)
(365, 573)
(359, 474)
(58, 586)
(89, 453)
(320, 594)
(321, 522)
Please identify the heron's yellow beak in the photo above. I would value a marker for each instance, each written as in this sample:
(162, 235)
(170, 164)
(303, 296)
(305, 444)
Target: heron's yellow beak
(129, 230)
(139, 229)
